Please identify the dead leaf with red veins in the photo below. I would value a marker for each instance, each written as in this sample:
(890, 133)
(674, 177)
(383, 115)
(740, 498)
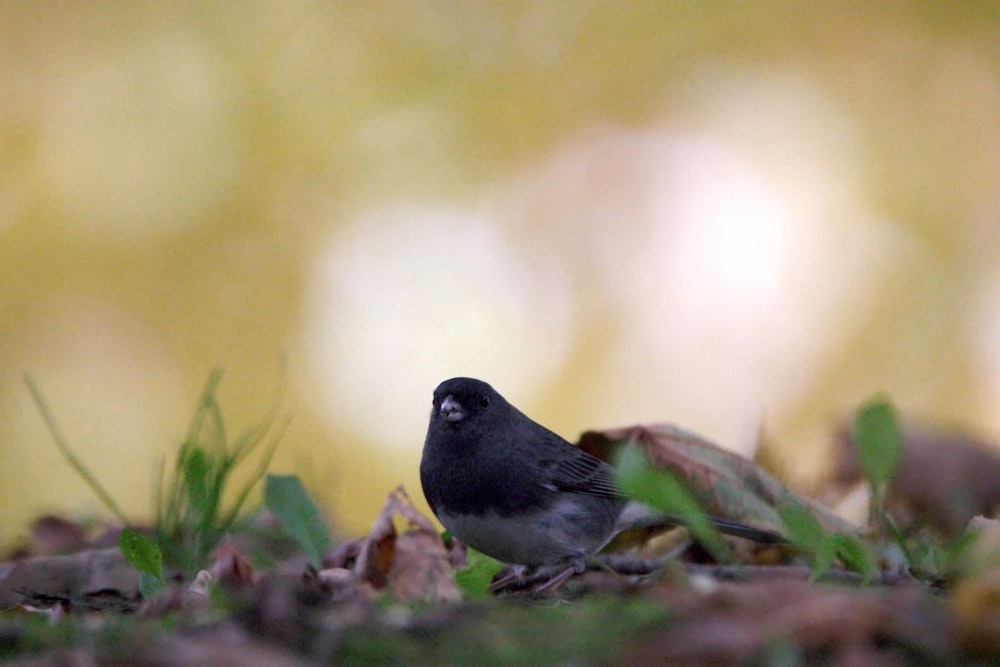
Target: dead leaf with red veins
(414, 565)
(727, 485)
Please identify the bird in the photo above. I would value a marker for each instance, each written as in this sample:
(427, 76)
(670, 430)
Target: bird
(514, 490)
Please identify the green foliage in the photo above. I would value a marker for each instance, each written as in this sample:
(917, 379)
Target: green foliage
(877, 435)
(150, 585)
(879, 443)
(285, 497)
(806, 533)
(802, 527)
(144, 555)
(933, 557)
(191, 513)
(191, 510)
(474, 579)
(927, 554)
(663, 491)
(924, 554)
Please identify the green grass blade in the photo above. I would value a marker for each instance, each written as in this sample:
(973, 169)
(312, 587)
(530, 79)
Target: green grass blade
(205, 402)
(61, 442)
(265, 462)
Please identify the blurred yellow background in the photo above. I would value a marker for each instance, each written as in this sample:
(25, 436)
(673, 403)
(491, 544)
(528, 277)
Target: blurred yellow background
(732, 216)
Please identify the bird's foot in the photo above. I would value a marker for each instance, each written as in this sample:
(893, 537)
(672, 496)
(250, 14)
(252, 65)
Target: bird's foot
(556, 580)
(515, 579)
(548, 578)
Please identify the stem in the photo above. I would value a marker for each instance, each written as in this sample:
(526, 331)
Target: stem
(76, 463)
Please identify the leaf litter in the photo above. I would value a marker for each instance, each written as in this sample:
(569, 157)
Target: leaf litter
(392, 597)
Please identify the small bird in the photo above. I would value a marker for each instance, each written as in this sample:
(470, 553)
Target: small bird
(514, 490)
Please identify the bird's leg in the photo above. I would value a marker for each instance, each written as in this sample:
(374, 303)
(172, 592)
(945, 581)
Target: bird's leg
(551, 576)
(555, 582)
(577, 565)
(515, 578)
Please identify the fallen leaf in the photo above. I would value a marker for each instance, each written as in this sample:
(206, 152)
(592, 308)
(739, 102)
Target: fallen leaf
(93, 573)
(415, 565)
(728, 485)
(229, 566)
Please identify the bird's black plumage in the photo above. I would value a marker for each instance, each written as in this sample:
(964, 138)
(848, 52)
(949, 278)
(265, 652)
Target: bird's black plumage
(510, 487)
(513, 489)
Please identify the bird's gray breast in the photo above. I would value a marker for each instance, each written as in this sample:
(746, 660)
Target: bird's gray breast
(572, 527)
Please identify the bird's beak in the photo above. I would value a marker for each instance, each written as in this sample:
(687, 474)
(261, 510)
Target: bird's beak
(452, 410)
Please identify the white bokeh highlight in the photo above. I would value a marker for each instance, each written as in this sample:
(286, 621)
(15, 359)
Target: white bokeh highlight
(407, 297)
(731, 251)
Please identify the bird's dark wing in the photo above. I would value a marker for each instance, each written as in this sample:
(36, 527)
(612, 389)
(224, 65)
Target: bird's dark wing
(568, 468)
(571, 469)
(654, 521)
(747, 532)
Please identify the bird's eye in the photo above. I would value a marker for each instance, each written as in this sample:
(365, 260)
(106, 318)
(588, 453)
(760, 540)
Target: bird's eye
(484, 401)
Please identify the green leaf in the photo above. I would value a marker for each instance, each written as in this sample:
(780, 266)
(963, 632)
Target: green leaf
(150, 585)
(285, 497)
(474, 579)
(141, 552)
(807, 534)
(879, 444)
(663, 491)
(823, 558)
(853, 554)
(803, 529)
(197, 469)
(957, 555)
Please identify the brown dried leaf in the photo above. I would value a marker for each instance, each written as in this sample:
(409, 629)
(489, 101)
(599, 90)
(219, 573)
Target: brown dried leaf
(728, 485)
(53, 535)
(80, 576)
(414, 565)
(421, 569)
(229, 566)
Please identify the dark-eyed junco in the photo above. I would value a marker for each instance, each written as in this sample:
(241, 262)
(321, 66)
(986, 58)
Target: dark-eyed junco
(511, 488)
